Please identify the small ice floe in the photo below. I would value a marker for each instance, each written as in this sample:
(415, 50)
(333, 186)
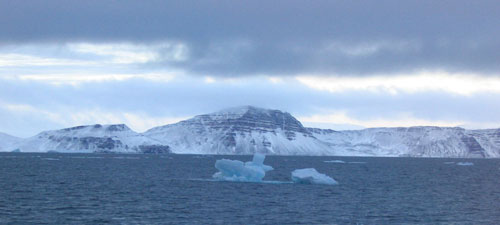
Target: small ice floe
(125, 157)
(356, 162)
(49, 159)
(235, 170)
(201, 156)
(465, 164)
(449, 162)
(334, 161)
(311, 176)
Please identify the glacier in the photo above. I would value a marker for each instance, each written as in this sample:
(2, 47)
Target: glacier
(311, 176)
(235, 170)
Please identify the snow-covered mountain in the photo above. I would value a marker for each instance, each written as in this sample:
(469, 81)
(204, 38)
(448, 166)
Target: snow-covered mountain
(241, 130)
(414, 141)
(93, 138)
(248, 129)
(7, 142)
(488, 139)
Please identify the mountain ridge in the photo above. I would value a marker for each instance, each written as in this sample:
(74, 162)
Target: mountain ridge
(249, 129)
(92, 138)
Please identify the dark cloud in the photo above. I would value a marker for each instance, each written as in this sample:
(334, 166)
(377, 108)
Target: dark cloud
(283, 37)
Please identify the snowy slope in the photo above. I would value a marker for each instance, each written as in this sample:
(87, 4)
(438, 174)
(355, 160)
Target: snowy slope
(7, 142)
(93, 138)
(411, 141)
(489, 139)
(241, 130)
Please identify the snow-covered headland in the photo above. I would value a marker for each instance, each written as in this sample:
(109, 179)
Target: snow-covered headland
(89, 139)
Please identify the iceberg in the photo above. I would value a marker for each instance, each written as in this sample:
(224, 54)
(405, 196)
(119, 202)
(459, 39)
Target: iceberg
(334, 161)
(465, 164)
(311, 176)
(235, 170)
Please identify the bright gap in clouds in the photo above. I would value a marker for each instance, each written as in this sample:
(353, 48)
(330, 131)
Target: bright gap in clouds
(24, 60)
(77, 79)
(460, 84)
(91, 54)
(126, 53)
(339, 120)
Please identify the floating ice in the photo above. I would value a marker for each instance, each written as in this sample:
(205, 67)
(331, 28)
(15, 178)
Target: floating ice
(49, 159)
(235, 170)
(357, 162)
(449, 162)
(124, 157)
(465, 164)
(311, 176)
(334, 161)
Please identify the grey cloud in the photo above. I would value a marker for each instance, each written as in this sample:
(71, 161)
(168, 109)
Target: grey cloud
(284, 37)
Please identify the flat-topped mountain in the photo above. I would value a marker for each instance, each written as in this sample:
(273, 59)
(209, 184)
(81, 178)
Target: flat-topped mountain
(240, 130)
(92, 138)
(415, 141)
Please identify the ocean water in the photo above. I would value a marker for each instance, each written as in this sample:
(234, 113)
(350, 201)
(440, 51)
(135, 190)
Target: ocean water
(156, 189)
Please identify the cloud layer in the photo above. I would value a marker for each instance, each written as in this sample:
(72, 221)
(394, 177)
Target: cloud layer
(233, 38)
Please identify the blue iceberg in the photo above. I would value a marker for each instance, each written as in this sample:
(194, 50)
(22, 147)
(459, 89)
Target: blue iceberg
(311, 176)
(235, 170)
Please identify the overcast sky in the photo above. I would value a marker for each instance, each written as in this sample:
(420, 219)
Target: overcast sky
(332, 64)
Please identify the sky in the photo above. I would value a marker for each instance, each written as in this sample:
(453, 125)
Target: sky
(332, 64)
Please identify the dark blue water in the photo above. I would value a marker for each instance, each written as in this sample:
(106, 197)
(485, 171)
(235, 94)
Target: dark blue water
(146, 189)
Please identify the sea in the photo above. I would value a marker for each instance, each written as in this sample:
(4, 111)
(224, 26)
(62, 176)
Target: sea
(55, 188)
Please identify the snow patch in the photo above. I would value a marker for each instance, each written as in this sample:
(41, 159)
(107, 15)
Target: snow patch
(311, 176)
